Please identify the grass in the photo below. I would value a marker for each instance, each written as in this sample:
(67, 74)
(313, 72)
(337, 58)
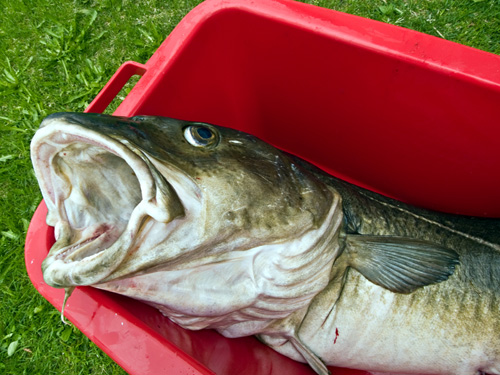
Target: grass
(55, 56)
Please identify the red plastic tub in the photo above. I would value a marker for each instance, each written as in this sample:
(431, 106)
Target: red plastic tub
(406, 114)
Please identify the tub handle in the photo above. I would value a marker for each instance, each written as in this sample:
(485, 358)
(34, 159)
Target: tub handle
(114, 85)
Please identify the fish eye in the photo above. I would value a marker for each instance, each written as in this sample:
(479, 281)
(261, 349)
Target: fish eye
(201, 135)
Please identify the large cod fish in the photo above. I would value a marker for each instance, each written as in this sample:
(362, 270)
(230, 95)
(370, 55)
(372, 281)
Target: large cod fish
(218, 229)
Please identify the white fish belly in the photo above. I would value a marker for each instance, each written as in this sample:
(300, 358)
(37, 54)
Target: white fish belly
(436, 330)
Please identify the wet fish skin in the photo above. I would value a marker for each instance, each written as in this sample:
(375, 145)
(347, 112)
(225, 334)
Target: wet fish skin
(320, 270)
(461, 314)
(475, 239)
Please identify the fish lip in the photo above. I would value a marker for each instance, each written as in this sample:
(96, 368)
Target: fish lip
(55, 133)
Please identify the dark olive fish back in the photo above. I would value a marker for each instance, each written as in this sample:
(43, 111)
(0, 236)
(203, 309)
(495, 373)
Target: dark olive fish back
(475, 239)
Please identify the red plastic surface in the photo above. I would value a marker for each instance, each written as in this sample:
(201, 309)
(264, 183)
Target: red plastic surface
(114, 85)
(406, 114)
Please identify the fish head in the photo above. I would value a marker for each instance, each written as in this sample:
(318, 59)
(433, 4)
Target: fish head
(132, 195)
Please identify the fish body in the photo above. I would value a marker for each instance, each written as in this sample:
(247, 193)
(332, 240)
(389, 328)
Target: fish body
(451, 327)
(218, 229)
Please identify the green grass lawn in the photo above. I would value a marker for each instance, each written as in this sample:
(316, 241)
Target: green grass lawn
(56, 56)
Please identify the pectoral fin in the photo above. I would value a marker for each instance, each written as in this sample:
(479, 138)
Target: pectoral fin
(316, 364)
(400, 264)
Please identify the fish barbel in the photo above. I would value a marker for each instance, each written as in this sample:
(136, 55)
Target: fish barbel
(218, 229)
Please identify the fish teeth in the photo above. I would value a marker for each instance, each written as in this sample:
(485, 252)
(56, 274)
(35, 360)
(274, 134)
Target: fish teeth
(70, 250)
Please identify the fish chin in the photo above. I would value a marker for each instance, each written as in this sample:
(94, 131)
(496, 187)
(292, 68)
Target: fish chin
(99, 192)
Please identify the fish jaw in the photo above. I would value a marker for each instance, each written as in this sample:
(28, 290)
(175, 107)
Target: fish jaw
(91, 243)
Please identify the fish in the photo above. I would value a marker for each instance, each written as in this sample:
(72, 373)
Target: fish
(219, 229)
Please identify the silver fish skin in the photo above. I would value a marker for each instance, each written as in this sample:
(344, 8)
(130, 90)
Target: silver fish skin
(218, 229)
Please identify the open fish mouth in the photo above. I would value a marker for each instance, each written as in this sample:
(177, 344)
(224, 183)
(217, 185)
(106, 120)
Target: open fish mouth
(100, 190)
